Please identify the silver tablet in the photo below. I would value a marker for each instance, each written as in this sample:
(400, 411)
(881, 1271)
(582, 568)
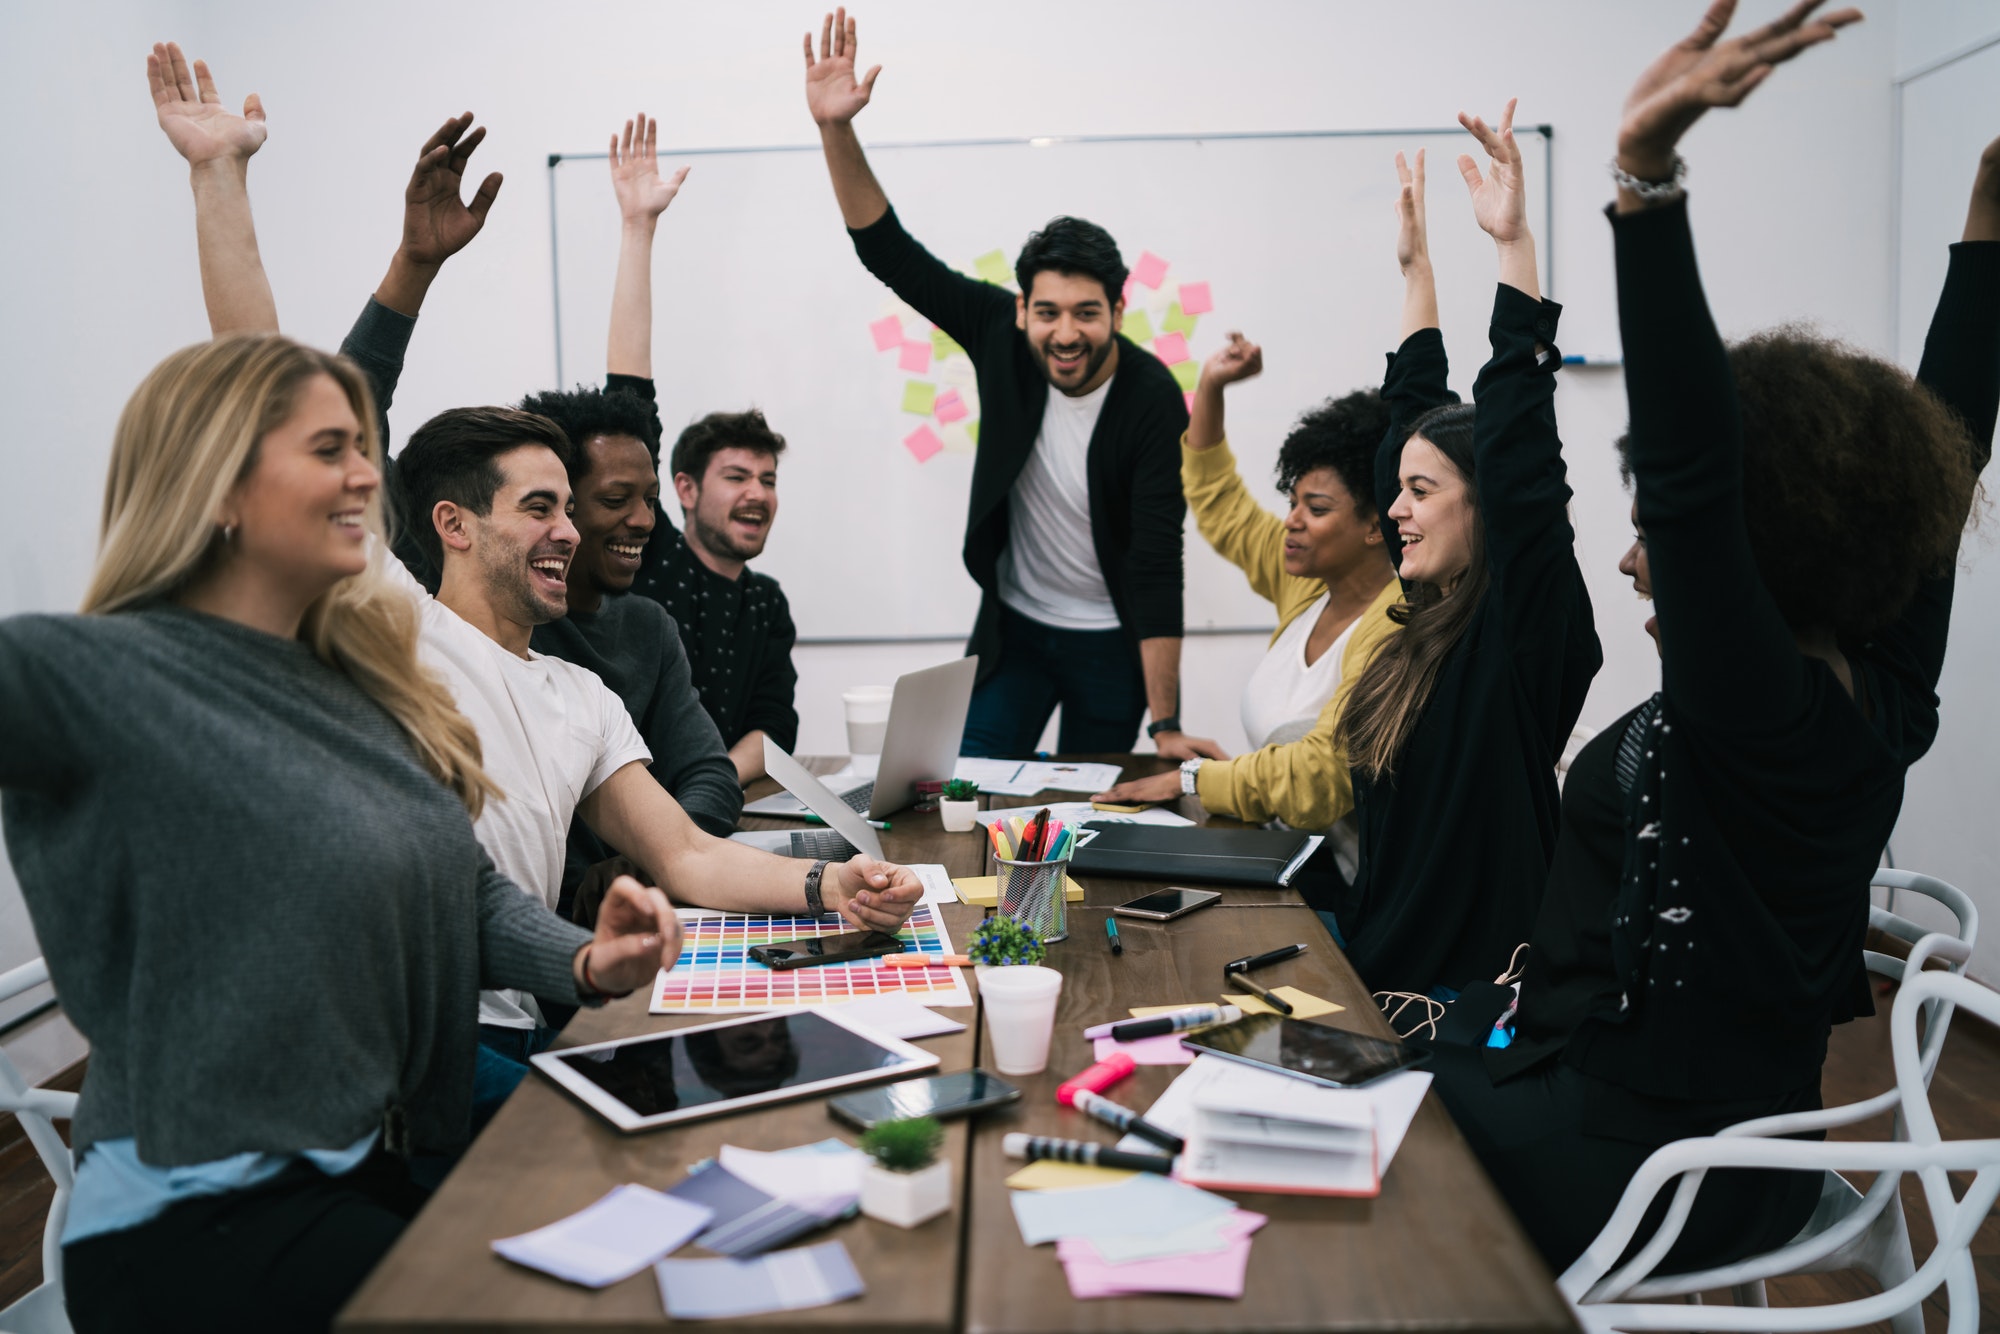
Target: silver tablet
(659, 1079)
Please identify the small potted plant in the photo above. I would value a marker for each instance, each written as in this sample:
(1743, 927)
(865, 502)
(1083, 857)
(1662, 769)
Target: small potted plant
(958, 805)
(907, 1183)
(1001, 941)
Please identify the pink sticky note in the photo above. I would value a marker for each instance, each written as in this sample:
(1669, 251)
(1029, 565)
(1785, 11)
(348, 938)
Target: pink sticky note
(1171, 348)
(916, 357)
(1126, 295)
(923, 443)
(1202, 1274)
(1166, 1049)
(950, 407)
(1151, 270)
(888, 333)
(1188, 398)
(1195, 299)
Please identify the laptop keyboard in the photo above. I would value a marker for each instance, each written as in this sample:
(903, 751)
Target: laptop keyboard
(858, 800)
(825, 843)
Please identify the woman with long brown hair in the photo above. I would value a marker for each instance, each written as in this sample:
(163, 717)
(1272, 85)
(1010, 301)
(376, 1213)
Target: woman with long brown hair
(1454, 728)
(239, 813)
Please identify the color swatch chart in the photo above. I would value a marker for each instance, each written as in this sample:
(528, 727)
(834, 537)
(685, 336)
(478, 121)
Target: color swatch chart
(716, 974)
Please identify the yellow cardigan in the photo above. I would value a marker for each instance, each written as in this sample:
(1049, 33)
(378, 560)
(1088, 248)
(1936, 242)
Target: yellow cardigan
(1305, 783)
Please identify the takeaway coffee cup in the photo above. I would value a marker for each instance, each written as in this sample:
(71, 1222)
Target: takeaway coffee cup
(1020, 1004)
(867, 718)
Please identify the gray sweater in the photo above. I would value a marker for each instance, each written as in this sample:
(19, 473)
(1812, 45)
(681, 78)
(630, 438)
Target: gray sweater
(270, 921)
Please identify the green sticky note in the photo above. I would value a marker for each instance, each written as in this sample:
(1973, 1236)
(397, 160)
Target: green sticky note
(972, 429)
(942, 345)
(919, 397)
(1185, 372)
(1178, 321)
(1137, 327)
(994, 268)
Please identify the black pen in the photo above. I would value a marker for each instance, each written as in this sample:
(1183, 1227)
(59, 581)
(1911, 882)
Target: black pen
(1279, 955)
(1111, 930)
(1278, 1003)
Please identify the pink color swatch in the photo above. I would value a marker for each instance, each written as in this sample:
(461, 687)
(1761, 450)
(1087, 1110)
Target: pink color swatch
(1171, 348)
(923, 443)
(1195, 299)
(1151, 270)
(888, 333)
(950, 407)
(916, 357)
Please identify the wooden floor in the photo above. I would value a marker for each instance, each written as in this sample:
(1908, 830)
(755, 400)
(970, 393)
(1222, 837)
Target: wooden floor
(1965, 1095)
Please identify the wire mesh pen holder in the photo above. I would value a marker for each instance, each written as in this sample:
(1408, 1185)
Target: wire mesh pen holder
(1035, 895)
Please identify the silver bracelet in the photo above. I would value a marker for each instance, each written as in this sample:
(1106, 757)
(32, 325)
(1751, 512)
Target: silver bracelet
(1653, 192)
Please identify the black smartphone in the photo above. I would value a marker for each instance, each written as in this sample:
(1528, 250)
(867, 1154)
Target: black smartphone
(827, 949)
(939, 1096)
(1166, 904)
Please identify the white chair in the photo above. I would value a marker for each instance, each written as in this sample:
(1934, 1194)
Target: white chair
(1604, 1300)
(41, 1311)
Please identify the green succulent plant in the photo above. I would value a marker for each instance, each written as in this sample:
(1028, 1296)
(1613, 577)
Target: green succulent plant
(908, 1145)
(960, 789)
(1002, 940)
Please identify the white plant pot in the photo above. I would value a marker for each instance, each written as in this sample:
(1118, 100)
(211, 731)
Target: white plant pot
(960, 817)
(906, 1198)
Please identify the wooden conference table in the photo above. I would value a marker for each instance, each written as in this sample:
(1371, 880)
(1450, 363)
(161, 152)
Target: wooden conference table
(1436, 1250)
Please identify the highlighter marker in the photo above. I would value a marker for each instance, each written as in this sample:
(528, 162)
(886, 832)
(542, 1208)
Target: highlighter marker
(1037, 1147)
(1096, 1078)
(1101, 1108)
(1278, 1003)
(1180, 1021)
(1111, 930)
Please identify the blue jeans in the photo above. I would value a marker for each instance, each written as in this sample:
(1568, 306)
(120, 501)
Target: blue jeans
(501, 1066)
(1093, 674)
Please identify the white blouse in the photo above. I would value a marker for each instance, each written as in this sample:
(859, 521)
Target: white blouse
(1284, 696)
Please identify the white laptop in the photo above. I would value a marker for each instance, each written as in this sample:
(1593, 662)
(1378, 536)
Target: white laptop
(846, 832)
(926, 721)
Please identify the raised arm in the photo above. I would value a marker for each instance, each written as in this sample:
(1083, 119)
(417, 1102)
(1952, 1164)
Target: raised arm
(642, 197)
(1242, 532)
(835, 97)
(218, 146)
(437, 222)
(1415, 382)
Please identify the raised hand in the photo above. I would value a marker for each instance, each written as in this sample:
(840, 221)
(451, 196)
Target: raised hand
(1413, 237)
(1982, 217)
(1237, 359)
(637, 935)
(1500, 197)
(635, 172)
(1703, 71)
(191, 113)
(437, 224)
(833, 95)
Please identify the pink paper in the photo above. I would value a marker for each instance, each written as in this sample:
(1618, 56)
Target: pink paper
(1211, 1274)
(888, 333)
(923, 443)
(1170, 348)
(1126, 295)
(1166, 1049)
(950, 407)
(916, 357)
(1151, 270)
(1195, 299)
(1188, 398)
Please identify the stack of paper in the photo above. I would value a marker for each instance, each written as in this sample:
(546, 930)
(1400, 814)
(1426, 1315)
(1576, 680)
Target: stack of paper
(613, 1239)
(1145, 1234)
(787, 1281)
(762, 1200)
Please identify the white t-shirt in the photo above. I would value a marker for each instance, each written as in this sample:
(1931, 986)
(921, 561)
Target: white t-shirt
(1282, 703)
(549, 733)
(1049, 571)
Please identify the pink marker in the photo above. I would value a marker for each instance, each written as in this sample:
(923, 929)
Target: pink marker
(1097, 1078)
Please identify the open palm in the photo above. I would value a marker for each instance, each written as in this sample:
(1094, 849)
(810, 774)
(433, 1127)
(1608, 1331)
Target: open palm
(437, 223)
(191, 113)
(833, 94)
(635, 171)
(1500, 197)
(1413, 243)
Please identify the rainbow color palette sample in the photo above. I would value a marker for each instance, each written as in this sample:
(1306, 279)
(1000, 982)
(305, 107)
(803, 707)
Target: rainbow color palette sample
(715, 973)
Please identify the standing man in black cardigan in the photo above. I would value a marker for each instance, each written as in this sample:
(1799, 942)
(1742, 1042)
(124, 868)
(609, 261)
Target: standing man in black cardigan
(1074, 530)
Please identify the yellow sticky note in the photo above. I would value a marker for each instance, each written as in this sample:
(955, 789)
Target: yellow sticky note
(1184, 372)
(1304, 1004)
(994, 268)
(1137, 327)
(919, 397)
(1148, 1011)
(942, 345)
(1178, 321)
(972, 429)
(983, 891)
(1051, 1175)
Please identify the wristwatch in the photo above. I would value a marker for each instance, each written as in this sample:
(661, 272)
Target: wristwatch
(815, 906)
(1189, 768)
(1159, 725)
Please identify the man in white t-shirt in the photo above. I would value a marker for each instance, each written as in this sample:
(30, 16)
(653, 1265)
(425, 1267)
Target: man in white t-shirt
(486, 493)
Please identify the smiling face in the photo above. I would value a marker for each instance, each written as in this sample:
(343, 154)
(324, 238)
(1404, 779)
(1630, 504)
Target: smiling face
(1326, 533)
(1070, 324)
(1434, 514)
(298, 514)
(730, 511)
(1634, 566)
(523, 547)
(613, 516)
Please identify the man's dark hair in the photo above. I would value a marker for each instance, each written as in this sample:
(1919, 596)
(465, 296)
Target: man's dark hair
(453, 456)
(723, 430)
(584, 413)
(1342, 434)
(1071, 245)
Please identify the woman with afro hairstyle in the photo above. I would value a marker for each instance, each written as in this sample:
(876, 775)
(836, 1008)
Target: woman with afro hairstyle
(1798, 506)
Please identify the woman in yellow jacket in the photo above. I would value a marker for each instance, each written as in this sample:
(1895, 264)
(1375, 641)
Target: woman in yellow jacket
(1325, 569)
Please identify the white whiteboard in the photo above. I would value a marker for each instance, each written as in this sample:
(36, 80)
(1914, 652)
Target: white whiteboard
(759, 299)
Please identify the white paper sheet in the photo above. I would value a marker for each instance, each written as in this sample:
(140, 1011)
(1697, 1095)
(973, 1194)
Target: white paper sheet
(1076, 812)
(897, 1015)
(1024, 778)
(613, 1239)
(820, 1183)
(937, 882)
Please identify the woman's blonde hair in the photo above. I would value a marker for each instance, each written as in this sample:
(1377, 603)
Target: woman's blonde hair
(188, 435)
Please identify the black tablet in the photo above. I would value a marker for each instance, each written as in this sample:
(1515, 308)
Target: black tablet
(1330, 1056)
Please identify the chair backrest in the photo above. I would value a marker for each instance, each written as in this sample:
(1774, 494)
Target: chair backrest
(1926, 943)
(38, 1110)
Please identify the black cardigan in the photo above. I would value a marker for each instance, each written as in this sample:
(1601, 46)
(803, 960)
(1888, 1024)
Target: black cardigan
(1136, 508)
(1455, 846)
(1716, 965)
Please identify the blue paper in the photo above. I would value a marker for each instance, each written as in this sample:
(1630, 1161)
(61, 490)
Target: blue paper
(787, 1281)
(1148, 1203)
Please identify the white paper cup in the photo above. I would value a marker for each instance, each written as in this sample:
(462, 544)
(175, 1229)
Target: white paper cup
(867, 718)
(1020, 1004)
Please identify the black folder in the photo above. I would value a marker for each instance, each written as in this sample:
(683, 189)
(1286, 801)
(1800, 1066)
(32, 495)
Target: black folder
(1261, 858)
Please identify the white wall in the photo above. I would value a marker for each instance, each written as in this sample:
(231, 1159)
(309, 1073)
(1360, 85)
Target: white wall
(101, 282)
